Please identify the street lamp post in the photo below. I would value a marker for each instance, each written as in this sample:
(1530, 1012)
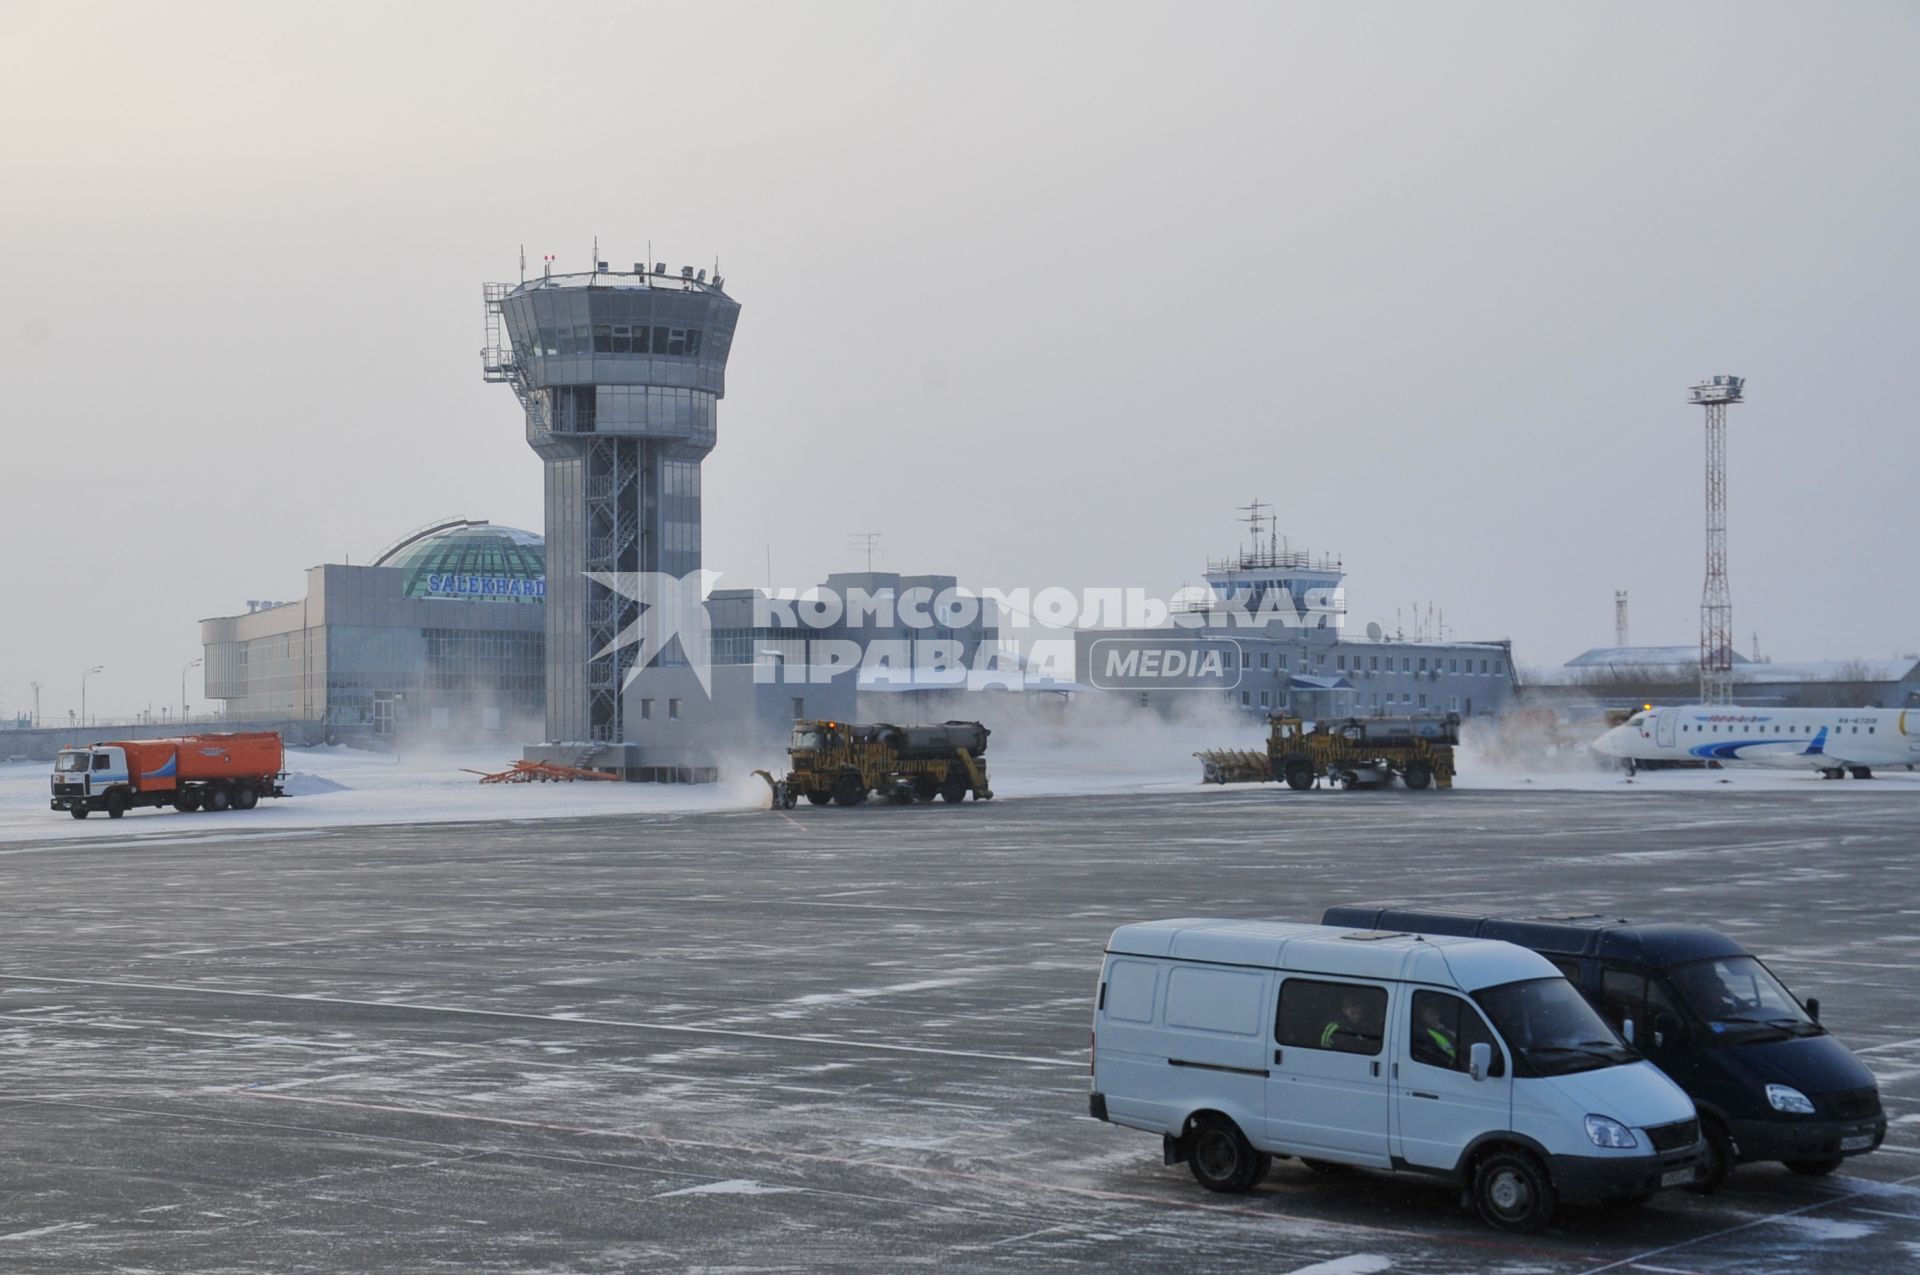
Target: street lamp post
(183, 690)
(98, 668)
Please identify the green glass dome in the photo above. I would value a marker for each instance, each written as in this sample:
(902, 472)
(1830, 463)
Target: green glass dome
(472, 561)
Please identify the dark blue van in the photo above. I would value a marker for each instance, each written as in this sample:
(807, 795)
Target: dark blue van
(1769, 1082)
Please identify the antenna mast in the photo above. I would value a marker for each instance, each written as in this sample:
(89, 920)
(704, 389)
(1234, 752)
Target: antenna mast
(1716, 598)
(1620, 618)
(1256, 519)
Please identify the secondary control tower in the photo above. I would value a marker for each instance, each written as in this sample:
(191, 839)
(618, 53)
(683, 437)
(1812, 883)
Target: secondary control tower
(620, 374)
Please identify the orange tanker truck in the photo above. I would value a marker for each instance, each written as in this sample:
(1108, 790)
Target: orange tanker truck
(214, 772)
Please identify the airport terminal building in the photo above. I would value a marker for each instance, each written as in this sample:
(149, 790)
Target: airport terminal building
(444, 633)
(1275, 618)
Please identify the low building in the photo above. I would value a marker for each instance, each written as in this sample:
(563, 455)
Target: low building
(859, 644)
(444, 633)
(1616, 677)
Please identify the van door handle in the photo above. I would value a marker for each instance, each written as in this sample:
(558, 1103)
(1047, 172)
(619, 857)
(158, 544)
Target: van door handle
(1276, 1055)
(1375, 1066)
(1415, 1093)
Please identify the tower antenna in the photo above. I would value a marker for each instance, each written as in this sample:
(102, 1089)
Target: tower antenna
(1620, 618)
(1256, 519)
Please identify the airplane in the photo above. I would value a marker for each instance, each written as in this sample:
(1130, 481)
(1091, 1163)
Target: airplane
(1833, 741)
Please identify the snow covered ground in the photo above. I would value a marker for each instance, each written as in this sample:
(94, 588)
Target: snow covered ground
(336, 787)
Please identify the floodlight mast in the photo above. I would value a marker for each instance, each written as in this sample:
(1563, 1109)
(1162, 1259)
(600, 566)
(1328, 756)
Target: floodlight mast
(1716, 598)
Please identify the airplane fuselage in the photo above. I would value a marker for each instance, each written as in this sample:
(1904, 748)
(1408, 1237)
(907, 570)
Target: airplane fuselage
(1829, 740)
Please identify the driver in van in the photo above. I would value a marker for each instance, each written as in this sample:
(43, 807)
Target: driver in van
(1433, 1039)
(1349, 1032)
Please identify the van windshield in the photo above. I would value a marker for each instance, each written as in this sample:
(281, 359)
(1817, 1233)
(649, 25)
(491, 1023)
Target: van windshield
(1738, 996)
(1552, 1028)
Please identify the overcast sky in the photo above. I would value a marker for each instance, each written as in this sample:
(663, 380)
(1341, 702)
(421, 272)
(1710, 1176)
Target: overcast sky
(1040, 292)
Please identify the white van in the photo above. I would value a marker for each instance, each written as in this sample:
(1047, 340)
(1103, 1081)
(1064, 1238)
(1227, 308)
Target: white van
(1238, 1041)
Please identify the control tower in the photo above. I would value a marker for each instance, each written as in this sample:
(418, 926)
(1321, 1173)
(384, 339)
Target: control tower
(620, 374)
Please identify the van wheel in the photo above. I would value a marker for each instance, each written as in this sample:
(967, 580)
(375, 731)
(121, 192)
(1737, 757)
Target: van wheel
(1220, 1156)
(1717, 1163)
(1512, 1192)
(1262, 1165)
(1815, 1168)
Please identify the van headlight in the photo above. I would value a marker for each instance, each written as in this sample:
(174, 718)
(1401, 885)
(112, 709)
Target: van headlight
(1604, 1132)
(1788, 1099)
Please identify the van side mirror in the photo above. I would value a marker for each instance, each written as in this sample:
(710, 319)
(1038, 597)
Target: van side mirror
(1479, 1059)
(1813, 1008)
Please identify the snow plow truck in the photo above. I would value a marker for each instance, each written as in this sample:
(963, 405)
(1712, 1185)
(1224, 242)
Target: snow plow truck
(843, 763)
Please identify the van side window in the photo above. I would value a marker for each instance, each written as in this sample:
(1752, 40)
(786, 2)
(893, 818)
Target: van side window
(1569, 970)
(1349, 1018)
(1623, 995)
(1214, 1000)
(1444, 1031)
(1130, 987)
(1627, 993)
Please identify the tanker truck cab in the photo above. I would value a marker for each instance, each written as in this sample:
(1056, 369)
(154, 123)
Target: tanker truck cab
(1770, 1082)
(1244, 1041)
(84, 778)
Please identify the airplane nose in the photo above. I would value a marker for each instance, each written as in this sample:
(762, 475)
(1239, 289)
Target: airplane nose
(1613, 743)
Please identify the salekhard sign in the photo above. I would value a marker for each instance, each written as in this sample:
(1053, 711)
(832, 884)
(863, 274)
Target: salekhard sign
(469, 586)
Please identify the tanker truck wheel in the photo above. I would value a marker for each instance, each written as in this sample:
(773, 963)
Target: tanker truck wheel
(1299, 777)
(218, 799)
(186, 801)
(849, 790)
(78, 812)
(955, 789)
(246, 797)
(116, 804)
(1417, 777)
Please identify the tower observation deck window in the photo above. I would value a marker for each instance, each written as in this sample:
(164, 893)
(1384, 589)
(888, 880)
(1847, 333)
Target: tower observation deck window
(607, 338)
